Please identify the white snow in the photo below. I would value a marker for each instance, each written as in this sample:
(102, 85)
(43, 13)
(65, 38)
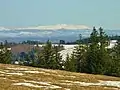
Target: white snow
(67, 81)
(48, 70)
(68, 51)
(48, 85)
(28, 84)
(112, 43)
(69, 46)
(31, 71)
(2, 72)
(16, 62)
(66, 89)
(54, 87)
(56, 27)
(101, 83)
(111, 83)
(36, 82)
(10, 68)
(8, 49)
(15, 74)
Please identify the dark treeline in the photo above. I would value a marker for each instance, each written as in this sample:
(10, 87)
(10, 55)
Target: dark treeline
(95, 58)
(90, 56)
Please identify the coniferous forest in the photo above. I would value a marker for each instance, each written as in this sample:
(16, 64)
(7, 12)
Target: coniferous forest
(92, 57)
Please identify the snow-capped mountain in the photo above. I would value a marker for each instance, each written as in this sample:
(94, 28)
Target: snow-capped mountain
(3, 28)
(54, 27)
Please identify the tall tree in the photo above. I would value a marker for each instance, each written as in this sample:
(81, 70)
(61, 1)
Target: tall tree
(5, 54)
(115, 65)
(45, 55)
(98, 59)
(50, 56)
(92, 53)
(103, 55)
(70, 63)
(80, 57)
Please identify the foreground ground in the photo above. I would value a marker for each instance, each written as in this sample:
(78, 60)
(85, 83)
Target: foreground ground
(15, 77)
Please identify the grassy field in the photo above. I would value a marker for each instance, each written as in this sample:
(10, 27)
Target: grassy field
(15, 77)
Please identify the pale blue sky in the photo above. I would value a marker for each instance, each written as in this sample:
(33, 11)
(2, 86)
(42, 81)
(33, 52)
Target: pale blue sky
(22, 13)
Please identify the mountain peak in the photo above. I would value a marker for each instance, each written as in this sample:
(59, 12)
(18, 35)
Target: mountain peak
(60, 26)
(51, 27)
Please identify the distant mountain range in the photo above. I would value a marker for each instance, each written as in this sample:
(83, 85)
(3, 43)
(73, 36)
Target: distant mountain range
(51, 27)
(3, 28)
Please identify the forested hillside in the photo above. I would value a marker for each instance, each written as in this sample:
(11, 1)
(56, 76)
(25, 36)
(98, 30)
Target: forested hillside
(92, 57)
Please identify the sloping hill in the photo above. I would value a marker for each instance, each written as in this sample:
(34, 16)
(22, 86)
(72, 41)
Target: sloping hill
(15, 77)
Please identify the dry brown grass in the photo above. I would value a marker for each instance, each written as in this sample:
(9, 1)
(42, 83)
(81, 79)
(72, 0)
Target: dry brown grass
(58, 78)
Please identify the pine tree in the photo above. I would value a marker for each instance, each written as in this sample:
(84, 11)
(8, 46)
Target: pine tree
(98, 59)
(5, 54)
(67, 63)
(80, 57)
(47, 52)
(58, 57)
(1, 53)
(115, 65)
(103, 55)
(71, 63)
(92, 53)
(49, 57)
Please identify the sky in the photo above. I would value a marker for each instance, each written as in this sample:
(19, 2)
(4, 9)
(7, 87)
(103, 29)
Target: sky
(24, 13)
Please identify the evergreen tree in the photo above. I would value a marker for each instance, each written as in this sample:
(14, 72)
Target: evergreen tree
(98, 59)
(92, 53)
(67, 63)
(47, 52)
(58, 57)
(71, 63)
(103, 55)
(49, 57)
(115, 65)
(80, 57)
(1, 53)
(5, 54)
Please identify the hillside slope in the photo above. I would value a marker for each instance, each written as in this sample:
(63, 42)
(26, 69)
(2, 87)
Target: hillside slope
(15, 77)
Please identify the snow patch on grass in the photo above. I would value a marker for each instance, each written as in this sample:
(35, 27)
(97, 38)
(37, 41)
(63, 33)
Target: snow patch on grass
(28, 84)
(54, 87)
(31, 71)
(67, 81)
(17, 68)
(3, 78)
(101, 83)
(108, 88)
(47, 84)
(2, 72)
(31, 84)
(36, 82)
(111, 83)
(66, 89)
(15, 74)
(51, 71)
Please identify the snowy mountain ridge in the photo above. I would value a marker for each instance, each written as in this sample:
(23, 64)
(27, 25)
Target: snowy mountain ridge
(50, 27)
